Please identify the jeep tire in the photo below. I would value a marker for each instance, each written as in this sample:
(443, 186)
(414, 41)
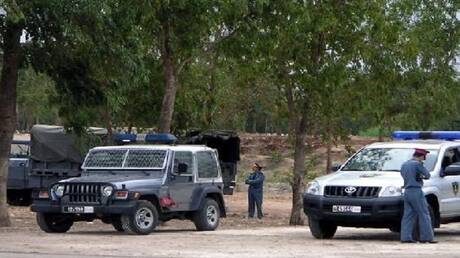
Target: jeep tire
(207, 218)
(53, 223)
(142, 220)
(117, 225)
(321, 229)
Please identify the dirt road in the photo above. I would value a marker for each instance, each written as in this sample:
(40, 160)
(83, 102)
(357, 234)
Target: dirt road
(236, 237)
(254, 242)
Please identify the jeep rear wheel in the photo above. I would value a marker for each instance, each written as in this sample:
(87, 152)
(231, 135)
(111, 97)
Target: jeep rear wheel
(321, 229)
(53, 223)
(207, 218)
(142, 221)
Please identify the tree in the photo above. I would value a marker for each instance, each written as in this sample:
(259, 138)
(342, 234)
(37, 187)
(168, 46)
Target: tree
(12, 24)
(312, 48)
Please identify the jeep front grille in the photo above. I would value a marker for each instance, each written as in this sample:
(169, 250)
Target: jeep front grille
(83, 193)
(355, 192)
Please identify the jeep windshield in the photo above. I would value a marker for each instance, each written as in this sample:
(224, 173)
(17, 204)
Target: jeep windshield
(386, 159)
(125, 159)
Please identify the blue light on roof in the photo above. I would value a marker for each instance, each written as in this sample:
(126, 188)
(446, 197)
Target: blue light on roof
(438, 135)
(124, 137)
(163, 138)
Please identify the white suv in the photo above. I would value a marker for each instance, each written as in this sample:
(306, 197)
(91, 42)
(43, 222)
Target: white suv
(366, 191)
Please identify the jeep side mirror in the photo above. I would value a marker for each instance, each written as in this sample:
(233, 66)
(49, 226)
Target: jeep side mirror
(452, 170)
(335, 167)
(182, 168)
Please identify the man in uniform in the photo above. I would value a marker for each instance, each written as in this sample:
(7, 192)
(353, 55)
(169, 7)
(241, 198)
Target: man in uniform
(256, 191)
(415, 204)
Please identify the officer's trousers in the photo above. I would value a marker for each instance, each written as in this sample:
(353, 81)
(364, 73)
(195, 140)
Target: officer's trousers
(255, 197)
(416, 209)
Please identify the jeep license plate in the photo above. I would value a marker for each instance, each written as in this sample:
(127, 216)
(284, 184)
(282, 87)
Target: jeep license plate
(346, 208)
(78, 209)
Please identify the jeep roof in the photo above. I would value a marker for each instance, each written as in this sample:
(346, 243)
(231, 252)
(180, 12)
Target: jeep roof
(192, 148)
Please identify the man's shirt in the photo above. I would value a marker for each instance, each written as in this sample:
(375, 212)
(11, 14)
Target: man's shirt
(413, 173)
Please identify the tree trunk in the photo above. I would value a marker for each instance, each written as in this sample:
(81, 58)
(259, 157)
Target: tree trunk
(299, 171)
(169, 70)
(108, 124)
(329, 160)
(8, 82)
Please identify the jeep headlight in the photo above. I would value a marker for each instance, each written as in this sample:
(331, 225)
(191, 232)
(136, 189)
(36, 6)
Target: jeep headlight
(313, 188)
(59, 190)
(107, 190)
(390, 191)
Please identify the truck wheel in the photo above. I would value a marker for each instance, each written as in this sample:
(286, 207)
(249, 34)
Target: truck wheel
(117, 225)
(395, 228)
(142, 221)
(207, 218)
(321, 229)
(52, 223)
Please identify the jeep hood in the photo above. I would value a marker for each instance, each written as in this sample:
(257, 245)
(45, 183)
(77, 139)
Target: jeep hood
(130, 181)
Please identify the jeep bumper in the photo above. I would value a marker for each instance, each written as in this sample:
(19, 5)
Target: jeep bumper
(375, 212)
(118, 207)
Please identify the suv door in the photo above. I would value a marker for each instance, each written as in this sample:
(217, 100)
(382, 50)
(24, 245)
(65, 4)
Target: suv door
(181, 185)
(449, 185)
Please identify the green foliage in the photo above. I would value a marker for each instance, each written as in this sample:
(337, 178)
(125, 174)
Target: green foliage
(34, 92)
(276, 156)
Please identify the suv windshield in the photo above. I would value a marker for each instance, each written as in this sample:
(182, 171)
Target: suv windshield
(386, 159)
(125, 159)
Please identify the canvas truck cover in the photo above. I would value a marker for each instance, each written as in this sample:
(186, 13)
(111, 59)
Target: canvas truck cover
(226, 142)
(51, 143)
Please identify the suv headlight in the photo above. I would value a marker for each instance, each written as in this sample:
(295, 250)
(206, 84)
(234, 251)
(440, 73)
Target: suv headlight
(390, 191)
(313, 188)
(107, 190)
(59, 190)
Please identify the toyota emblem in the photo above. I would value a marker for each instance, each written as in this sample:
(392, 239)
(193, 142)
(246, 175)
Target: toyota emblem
(350, 189)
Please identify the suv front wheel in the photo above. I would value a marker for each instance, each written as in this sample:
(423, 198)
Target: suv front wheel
(321, 229)
(52, 223)
(143, 219)
(208, 216)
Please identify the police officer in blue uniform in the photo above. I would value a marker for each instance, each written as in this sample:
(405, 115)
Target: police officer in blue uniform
(415, 204)
(256, 191)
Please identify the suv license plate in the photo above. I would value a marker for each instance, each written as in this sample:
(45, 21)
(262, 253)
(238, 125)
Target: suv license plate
(346, 208)
(78, 209)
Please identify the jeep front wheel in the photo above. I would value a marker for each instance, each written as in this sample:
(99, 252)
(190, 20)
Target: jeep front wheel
(321, 229)
(53, 223)
(117, 225)
(208, 216)
(142, 221)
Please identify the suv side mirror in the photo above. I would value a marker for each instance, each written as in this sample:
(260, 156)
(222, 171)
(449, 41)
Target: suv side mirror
(335, 167)
(452, 170)
(182, 168)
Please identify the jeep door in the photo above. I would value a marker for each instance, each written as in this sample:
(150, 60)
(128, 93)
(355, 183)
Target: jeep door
(449, 185)
(181, 185)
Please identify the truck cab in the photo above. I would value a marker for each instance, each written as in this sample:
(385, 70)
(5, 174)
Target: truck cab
(366, 191)
(18, 190)
(134, 187)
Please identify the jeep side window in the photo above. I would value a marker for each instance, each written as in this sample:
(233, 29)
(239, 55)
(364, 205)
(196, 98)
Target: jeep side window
(184, 157)
(207, 165)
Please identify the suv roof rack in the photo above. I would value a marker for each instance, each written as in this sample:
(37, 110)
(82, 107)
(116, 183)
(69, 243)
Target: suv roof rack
(423, 135)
